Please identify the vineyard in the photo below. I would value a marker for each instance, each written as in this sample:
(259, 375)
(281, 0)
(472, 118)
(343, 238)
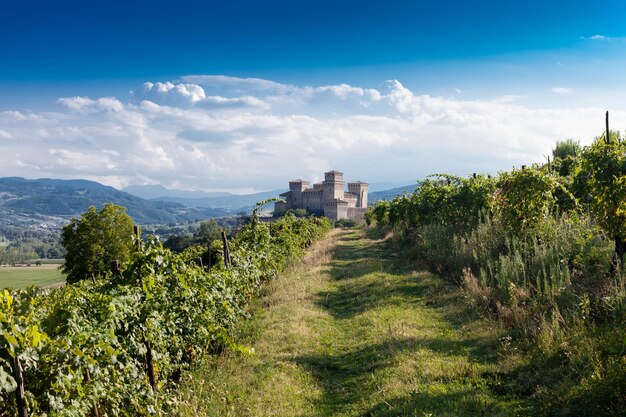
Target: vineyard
(118, 345)
(531, 318)
(541, 249)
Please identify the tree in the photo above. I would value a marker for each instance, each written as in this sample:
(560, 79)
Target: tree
(565, 148)
(94, 241)
(207, 233)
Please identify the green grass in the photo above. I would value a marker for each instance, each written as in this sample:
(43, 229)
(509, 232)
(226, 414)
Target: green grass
(21, 277)
(355, 331)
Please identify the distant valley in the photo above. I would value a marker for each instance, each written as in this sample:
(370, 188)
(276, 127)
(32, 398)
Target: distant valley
(50, 203)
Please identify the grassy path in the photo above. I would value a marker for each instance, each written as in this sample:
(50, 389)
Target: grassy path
(354, 331)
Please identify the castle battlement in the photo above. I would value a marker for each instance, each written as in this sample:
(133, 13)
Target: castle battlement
(328, 198)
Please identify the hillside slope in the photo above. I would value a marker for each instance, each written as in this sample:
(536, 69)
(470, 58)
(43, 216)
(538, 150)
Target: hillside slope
(22, 198)
(390, 194)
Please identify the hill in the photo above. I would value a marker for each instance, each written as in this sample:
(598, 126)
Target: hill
(390, 194)
(154, 192)
(236, 202)
(233, 202)
(49, 199)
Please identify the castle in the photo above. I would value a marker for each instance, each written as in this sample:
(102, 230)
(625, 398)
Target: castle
(327, 198)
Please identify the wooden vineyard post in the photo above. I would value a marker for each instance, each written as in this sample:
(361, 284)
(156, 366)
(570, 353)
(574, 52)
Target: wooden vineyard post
(115, 267)
(150, 363)
(226, 251)
(136, 231)
(20, 396)
(199, 262)
(608, 132)
(549, 165)
(94, 410)
(209, 261)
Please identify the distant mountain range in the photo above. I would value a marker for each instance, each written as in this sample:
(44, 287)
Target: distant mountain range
(389, 194)
(66, 198)
(53, 201)
(154, 192)
(234, 201)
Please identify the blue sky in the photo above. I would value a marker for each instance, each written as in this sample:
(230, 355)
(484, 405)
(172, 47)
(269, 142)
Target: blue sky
(563, 57)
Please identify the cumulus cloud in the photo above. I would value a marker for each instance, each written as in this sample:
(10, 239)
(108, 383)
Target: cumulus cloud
(85, 104)
(216, 132)
(169, 93)
(188, 95)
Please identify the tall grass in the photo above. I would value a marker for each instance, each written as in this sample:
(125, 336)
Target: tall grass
(556, 291)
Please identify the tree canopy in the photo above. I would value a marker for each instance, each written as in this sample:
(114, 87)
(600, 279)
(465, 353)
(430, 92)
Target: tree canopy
(95, 240)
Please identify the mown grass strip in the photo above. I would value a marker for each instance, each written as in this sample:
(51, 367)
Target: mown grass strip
(355, 331)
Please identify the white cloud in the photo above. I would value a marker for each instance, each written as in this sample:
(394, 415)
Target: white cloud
(599, 38)
(169, 93)
(85, 104)
(5, 135)
(188, 95)
(510, 98)
(561, 90)
(248, 84)
(224, 132)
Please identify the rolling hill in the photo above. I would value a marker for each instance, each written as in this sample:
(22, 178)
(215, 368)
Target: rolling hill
(21, 197)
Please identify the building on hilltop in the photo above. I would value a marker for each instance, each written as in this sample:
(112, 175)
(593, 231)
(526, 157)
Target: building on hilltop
(327, 198)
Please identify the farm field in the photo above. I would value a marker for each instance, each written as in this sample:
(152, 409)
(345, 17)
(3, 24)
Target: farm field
(23, 276)
(356, 331)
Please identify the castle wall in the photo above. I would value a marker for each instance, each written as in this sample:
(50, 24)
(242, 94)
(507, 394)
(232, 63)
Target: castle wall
(313, 201)
(360, 189)
(356, 213)
(327, 198)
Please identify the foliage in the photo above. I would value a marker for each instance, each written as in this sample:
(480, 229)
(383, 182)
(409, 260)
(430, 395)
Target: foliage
(603, 174)
(523, 199)
(533, 247)
(347, 223)
(444, 199)
(206, 232)
(566, 148)
(95, 240)
(91, 345)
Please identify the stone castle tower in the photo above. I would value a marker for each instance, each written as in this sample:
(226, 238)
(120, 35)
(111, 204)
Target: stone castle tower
(327, 198)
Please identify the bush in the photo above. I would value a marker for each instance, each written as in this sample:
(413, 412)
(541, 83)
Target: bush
(346, 223)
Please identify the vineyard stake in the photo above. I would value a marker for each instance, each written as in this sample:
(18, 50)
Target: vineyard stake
(209, 256)
(150, 364)
(115, 267)
(226, 251)
(20, 399)
(136, 231)
(94, 410)
(608, 132)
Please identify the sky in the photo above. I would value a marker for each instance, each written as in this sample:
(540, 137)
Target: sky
(243, 96)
